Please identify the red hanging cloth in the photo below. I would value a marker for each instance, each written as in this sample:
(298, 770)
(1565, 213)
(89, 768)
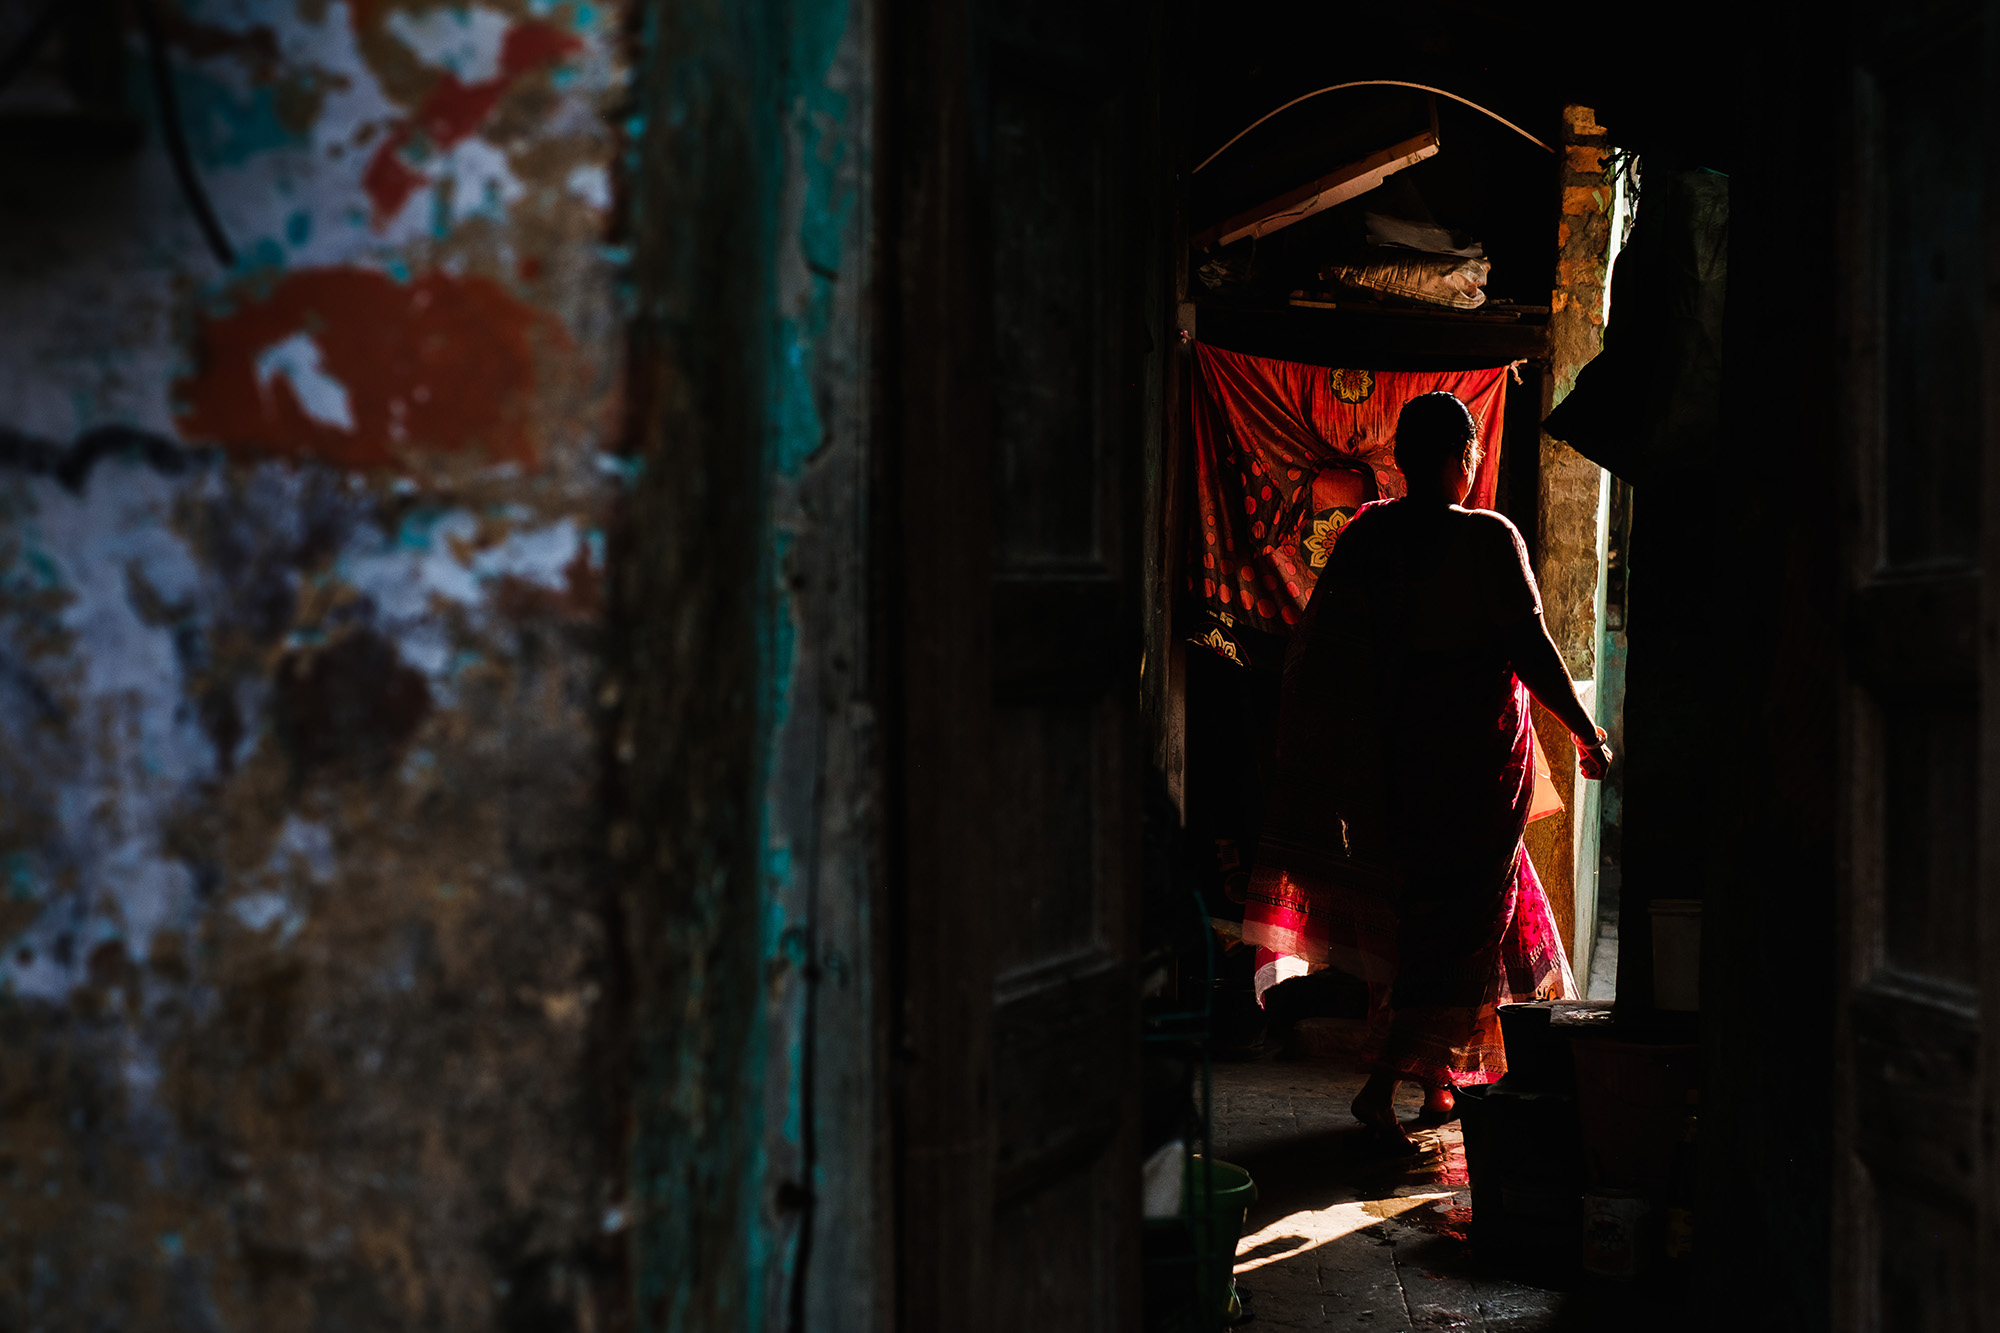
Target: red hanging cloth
(1284, 455)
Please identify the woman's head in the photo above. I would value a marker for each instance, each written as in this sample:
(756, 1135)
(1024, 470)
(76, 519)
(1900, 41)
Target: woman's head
(1437, 443)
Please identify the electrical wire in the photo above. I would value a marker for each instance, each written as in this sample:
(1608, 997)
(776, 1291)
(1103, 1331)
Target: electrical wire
(176, 136)
(1374, 83)
(30, 45)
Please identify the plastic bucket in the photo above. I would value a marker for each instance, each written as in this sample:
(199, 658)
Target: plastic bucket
(1677, 954)
(1217, 1213)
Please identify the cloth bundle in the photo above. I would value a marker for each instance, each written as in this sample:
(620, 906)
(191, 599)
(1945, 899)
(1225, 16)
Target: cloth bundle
(1448, 280)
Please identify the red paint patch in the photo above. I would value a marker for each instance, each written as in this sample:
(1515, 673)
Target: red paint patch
(453, 109)
(389, 180)
(438, 364)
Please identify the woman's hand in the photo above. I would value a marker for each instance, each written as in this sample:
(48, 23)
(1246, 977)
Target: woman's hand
(1593, 756)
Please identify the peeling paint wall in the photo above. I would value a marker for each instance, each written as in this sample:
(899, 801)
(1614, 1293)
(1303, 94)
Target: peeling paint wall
(308, 969)
(747, 826)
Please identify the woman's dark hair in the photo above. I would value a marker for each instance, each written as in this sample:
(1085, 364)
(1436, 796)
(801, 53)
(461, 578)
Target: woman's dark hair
(1434, 429)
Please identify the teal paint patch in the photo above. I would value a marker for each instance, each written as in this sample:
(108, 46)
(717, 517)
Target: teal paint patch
(414, 533)
(819, 118)
(778, 641)
(20, 876)
(812, 123)
(262, 255)
(298, 228)
(778, 867)
(226, 126)
(36, 572)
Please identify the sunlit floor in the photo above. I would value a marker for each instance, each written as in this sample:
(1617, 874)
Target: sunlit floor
(1345, 1237)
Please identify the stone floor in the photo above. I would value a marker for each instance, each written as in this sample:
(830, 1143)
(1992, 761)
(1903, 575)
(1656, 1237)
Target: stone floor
(1344, 1236)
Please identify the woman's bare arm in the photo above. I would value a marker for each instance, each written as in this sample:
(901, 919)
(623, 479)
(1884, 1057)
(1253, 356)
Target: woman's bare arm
(1541, 669)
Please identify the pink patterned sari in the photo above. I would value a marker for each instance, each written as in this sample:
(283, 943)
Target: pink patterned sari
(1391, 846)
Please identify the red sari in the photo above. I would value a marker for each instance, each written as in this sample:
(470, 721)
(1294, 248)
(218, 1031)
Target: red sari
(1391, 846)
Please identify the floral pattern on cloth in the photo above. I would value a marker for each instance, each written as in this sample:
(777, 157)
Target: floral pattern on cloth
(1285, 454)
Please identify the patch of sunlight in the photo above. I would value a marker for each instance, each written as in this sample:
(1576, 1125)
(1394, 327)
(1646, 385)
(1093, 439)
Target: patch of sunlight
(1291, 1236)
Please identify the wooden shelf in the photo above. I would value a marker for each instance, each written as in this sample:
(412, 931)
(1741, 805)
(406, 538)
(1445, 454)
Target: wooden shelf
(1380, 339)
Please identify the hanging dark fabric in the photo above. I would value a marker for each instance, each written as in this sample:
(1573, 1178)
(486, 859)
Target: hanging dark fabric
(1649, 406)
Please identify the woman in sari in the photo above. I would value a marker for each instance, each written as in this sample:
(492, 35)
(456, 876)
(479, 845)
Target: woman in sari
(1392, 841)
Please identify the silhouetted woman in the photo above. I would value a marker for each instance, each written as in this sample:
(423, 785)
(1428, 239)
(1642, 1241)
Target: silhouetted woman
(1405, 775)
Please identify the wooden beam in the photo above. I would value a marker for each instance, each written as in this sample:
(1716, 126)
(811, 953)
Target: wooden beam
(1316, 196)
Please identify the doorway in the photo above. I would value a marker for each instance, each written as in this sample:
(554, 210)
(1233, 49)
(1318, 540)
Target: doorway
(1279, 301)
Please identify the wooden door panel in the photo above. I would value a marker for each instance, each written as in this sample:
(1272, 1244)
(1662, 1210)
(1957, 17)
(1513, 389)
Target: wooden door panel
(1911, 1214)
(1046, 853)
(1931, 780)
(1065, 1015)
(1924, 105)
(1035, 1173)
(1927, 1264)
(1920, 632)
(1059, 637)
(1048, 353)
(1058, 1247)
(1917, 1109)
(1054, 1039)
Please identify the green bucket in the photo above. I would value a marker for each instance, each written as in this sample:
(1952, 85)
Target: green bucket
(1219, 1196)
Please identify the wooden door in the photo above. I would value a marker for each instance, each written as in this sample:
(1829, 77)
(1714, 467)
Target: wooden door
(1915, 1203)
(1020, 254)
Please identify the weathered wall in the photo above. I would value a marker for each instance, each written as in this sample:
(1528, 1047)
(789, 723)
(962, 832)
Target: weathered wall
(300, 564)
(1567, 558)
(1566, 500)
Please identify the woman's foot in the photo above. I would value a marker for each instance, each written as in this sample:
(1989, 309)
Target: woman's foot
(1440, 1105)
(1375, 1107)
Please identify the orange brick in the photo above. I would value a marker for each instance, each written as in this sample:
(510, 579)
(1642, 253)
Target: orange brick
(1586, 199)
(1581, 120)
(1584, 158)
(1581, 271)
